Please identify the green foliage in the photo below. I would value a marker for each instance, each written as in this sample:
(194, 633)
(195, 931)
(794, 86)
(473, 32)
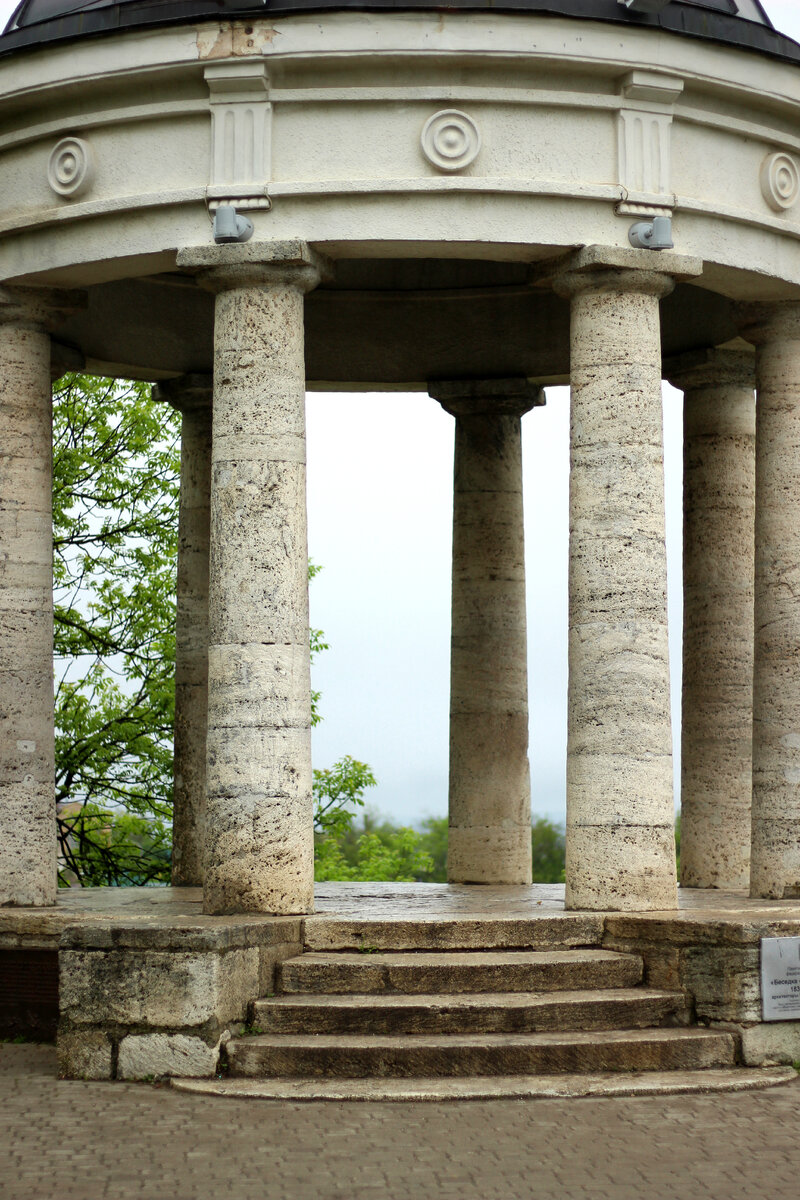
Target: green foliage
(116, 469)
(548, 846)
(377, 857)
(338, 791)
(434, 842)
(374, 848)
(678, 843)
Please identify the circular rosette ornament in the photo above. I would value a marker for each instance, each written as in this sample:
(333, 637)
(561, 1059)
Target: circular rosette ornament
(70, 171)
(450, 140)
(780, 181)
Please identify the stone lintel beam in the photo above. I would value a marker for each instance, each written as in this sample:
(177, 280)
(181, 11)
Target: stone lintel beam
(191, 395)
(718, 549)
(489, 791)
(27, 756)
(774, 329)
(259, 842)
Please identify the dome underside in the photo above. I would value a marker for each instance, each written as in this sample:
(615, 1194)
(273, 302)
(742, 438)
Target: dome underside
(734, 22)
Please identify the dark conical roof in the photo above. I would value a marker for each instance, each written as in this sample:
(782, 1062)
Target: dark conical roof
(735, 22)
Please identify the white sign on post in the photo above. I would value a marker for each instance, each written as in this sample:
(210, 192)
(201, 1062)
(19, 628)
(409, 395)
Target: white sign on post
(780, 979)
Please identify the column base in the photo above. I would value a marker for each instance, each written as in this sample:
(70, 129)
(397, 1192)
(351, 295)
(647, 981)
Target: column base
(622, 868)
(489, 854)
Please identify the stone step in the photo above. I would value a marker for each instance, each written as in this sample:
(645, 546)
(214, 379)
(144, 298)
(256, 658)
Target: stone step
(475, 971)
(480, 1012)
(557, 930)
(353, 1057)
(496, 1087)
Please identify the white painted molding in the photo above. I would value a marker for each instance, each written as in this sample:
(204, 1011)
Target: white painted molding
(241, 133)
(645, 141)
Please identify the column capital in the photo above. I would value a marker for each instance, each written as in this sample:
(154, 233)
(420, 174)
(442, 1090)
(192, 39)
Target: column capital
(711, 368)
(38, 308)
(769, 321)
(255, 264)
(499, 397)
(186, 393)
(616, 269)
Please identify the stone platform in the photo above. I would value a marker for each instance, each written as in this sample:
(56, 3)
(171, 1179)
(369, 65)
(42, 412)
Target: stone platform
(151, 986)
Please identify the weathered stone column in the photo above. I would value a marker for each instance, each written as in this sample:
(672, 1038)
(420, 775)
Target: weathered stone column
(775, 827)
(718, 515)
(489, 801)
(27, 766)
(191, 396)
(259, 851)
(620, 847)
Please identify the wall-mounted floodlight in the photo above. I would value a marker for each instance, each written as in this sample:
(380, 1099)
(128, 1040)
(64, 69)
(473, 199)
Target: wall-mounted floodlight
(652, 235)
(229, 226)
(645, 6)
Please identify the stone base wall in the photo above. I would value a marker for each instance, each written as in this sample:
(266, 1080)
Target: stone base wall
(718, 965)
(141, 1002)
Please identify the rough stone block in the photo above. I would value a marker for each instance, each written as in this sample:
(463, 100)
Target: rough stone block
(154, 1054)
(767, 1044)
(157, 988)
(85, 1054)
(724, 981)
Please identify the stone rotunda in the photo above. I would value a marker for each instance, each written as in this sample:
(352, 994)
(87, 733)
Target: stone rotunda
(476, 201)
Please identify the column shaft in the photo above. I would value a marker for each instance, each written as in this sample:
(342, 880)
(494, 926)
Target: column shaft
(717, 719)
(775, 828)
(191, 396)
(489, 793)
(620, 847)
(27, 765)
(259, 847)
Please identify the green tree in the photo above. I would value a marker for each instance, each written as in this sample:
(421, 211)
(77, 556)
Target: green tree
(548, 846)
(116, 470)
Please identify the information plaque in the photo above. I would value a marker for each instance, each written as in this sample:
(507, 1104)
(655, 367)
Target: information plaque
(780, 978)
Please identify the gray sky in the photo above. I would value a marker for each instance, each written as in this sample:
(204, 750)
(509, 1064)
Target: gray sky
(380, 511)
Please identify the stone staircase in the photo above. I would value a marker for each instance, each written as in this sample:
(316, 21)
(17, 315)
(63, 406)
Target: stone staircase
(477, 1023)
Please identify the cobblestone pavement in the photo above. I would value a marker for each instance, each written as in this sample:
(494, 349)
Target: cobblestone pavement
(79, 1141)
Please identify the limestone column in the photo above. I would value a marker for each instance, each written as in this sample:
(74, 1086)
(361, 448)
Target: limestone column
(191, 396)
(259, 851)
(717, 701)
(775, 826)
(27, 761)
(620, 847)
(489, 794)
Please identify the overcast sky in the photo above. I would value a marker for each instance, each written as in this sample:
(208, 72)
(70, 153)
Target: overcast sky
(380, 511)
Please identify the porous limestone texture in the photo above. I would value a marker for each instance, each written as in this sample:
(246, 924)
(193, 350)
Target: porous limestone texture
(259, 847)
(718, 532)
(767, 1045)
(775, 821)
(27, 770)
(620, 848)
(489, 794)
(191, 396)
(158, 997)
(142, 1056)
